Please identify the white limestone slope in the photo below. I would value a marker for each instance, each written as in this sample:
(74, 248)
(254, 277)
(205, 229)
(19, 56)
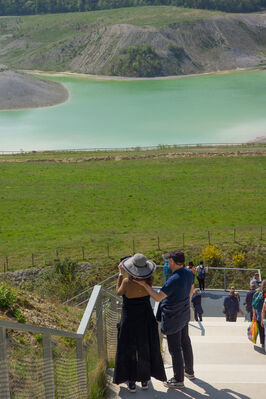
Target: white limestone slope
(227, 366)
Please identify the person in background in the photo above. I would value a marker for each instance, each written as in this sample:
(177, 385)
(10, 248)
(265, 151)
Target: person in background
(248, 301)
(231, 306)
(138, 355)
(236, 293)
(257, 312)
(166, 270)
(191, 267)
(263, 322)
(201, 274)
(255, 280)
(196, 300)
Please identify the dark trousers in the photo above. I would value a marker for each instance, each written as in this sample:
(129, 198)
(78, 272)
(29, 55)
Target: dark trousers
(201, 283)
(251, 315)
(197, 315)
(231, 316)
(180, 349)
(261, 332)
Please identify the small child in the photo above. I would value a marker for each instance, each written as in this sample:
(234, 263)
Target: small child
(196, 300)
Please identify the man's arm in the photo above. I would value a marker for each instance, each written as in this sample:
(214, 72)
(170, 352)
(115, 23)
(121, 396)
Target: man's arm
(157, 296)
(191, 291)
(263, 311)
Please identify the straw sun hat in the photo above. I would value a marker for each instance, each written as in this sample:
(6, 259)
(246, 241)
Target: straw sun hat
(139, 266)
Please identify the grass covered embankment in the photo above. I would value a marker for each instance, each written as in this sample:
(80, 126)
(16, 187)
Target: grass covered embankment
(106, 200)
(122, 41)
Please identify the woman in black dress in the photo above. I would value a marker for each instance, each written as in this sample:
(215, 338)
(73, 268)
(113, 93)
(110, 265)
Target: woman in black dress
(138, 356)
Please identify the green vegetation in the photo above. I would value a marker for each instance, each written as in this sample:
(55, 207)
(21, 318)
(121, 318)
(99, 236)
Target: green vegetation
(8, 299)
(102, 205)
(25, 349)
(137, 61)
(177, 51)
(9, 7)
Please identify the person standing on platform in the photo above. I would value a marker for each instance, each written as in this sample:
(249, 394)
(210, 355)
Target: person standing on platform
(174, 314)
(257, 305)
(201, 274)
(263, 322)
(248, 300)
(196, 300)
(231, 306)
(166, 270)
(138, 355)
(255, 280)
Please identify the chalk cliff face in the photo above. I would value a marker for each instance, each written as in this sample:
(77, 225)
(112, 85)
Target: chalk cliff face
(20, 91)
(216, 43)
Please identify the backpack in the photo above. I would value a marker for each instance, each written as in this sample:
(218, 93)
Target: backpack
(257, 301)
(201, 273)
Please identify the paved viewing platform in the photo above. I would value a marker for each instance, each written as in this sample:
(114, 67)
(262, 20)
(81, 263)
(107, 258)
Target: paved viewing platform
(227, 366)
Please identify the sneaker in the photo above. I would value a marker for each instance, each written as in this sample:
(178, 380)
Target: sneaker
(190, 376)
(145, 385)
(172, 383)
(131, 386)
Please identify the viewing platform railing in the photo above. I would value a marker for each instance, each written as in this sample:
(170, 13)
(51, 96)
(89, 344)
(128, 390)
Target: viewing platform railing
(42, 375)
(48, 374)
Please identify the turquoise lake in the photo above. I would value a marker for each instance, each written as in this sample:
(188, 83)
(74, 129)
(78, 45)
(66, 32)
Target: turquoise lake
(225, 108)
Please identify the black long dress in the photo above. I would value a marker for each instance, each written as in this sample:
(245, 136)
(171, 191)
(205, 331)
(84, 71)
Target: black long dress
(138, 355)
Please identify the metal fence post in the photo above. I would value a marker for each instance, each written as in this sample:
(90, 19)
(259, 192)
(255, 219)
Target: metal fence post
(100, 328)
(4, 377)
(81, 370)
(48, 366)
(224, 281)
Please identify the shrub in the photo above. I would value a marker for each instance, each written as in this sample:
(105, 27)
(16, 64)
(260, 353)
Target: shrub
(138, 61)
(177, 51)
(8, 298)
(239, 259)
(212, 255)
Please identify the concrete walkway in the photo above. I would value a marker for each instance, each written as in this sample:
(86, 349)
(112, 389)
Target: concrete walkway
(227, 366)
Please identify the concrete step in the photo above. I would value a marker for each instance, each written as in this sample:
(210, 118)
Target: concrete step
(221, 328)
(227, 366)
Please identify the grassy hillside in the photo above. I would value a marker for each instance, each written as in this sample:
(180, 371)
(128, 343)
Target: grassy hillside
(60, 25)
(66, 205)
(93, 42)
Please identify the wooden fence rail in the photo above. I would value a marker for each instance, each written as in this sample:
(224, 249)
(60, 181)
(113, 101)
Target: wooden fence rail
(83, 252)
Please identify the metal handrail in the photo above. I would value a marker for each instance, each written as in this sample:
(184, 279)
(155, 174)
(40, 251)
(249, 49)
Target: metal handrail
(49, 380)
(38, 329)
(158, 266)
(88, 289)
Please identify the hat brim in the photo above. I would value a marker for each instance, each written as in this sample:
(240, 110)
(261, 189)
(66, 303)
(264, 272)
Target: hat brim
(139, 272)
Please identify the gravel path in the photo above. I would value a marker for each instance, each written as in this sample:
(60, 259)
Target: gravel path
(21, 91)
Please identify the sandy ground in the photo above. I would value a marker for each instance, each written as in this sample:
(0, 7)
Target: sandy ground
(122, 78)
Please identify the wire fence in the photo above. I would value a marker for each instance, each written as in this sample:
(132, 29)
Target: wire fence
(56, 364)
(120, 244)
(136, 148)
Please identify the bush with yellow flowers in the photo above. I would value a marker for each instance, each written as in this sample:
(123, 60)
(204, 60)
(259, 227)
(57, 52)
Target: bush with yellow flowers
(212, 255)
(239, 259)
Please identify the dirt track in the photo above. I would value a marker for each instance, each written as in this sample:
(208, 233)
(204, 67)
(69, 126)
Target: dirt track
(139, 156)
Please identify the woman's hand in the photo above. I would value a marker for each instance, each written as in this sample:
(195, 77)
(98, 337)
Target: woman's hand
(262, 324)
(120, 268)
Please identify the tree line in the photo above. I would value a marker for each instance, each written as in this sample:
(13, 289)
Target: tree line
(30, 7)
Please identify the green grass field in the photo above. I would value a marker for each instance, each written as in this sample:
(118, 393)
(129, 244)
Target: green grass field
(64, 206)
